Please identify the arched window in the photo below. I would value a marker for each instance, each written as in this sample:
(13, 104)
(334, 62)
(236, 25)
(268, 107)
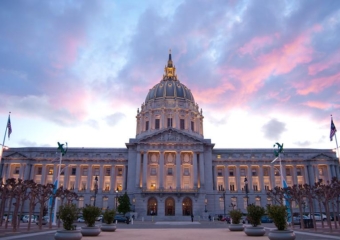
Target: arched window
(152, 206)
(105, 202)
(170, 207)
(187, 206)
(81, 202)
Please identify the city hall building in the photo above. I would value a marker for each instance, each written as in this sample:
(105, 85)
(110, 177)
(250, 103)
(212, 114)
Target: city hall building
(169, 170)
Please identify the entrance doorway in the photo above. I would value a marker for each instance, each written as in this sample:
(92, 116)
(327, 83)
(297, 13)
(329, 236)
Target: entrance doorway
(152, 206)
(187, 206)
(169, 207)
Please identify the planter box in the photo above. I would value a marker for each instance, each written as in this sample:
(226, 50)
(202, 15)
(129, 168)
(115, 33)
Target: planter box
(236, 227)
(108, 227)
(68, 235)
(281, 235)
(90, 231)
(254, 231)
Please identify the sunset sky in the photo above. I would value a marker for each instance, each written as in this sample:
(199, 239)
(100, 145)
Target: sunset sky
(262, 71)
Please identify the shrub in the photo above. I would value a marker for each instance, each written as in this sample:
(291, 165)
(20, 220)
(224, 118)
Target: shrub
(68, 213)
(236, 216)
(279, 214)
(109, 216)
(254, 214)
(90, 213)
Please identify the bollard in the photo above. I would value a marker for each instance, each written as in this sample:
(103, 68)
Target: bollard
(116, 221)
(142, 219)
(152, 218)
(213, 219)
(132, 221)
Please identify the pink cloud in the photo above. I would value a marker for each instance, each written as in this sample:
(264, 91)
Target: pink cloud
(317, 84)
(331, 61)
(257, 43)
(321, 105)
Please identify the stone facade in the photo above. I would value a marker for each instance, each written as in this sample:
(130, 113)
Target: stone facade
(170, 170)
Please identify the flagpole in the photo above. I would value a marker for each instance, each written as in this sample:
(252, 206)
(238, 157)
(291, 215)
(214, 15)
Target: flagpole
(337, 147)
(3, 142)
(56, 200)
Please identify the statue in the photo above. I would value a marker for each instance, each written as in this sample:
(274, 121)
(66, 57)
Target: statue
(279, 149)
(61, 148)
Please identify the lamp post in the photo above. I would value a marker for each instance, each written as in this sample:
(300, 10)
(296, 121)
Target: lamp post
(246, 188)
(116, 198)
(205, 205)
(95, 190)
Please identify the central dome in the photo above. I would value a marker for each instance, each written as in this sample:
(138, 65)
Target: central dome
(169, 87)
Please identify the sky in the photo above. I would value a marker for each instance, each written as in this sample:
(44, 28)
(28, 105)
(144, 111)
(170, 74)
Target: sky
(262, 71)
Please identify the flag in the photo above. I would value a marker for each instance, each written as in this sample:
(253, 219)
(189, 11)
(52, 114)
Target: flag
(333, 130)
(9, 126)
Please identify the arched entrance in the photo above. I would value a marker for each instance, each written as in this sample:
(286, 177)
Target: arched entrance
(152, 206)
(187, 206)
(169, 207)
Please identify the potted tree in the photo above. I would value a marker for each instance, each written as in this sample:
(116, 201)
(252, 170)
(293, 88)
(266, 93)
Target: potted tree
(279, 215)
(90, 213)
(108, 218)
(68, 213)
(235, 224)
(254, 217)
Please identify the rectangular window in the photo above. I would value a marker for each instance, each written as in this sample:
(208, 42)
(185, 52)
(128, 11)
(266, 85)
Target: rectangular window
(255, 187)
(153, 171)
(258, 201)
(169, 122)
(73, 172)
(231, 173)
(17, 170)
(219, 172)
(243, 172)
(146, 125)
(157, 121)
(81, 202)
(186, 172)
(266, 187)
(50, 171)
(39, 170)
(85, 171)
(71, 185)
(120, 171)
(320, 171)
(298, 172)
(83, 186)
(182, 124)
(232, 187)
(192, 126)
(170, 171)
(96, 171)
(265, 172)
(288, 172)
(253, 172)
(107, 171)
(107, 186)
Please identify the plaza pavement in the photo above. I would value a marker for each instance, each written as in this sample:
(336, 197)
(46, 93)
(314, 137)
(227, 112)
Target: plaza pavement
(169, 231)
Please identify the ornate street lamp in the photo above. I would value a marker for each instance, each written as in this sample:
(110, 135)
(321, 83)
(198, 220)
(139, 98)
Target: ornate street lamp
(246, 189)
(116, 198)
(95, 190)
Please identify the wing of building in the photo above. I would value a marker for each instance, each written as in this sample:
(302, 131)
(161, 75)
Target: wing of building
(169, 170)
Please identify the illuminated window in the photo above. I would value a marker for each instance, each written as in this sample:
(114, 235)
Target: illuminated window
(258, 201)
(288, 172)
(85, 171)
(39, 170)
(157, 123)
(219, 172)
(169, 122)
(107, 171)
(182, 124)
(81, 202)
(17, 170)
(153, 171)
(120, 171)
(265, 172)
(50, 171)
(186, 172)
(243, 172)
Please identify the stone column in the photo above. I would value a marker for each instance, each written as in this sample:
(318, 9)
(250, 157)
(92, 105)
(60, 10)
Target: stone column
(178, 170)
(329, 172)
(21, 171)
(32, 174)
(161, 170)
(201, 161)
(145, 168)
(78, 176)
(306, 175)
(101, 178)
(66, 176)
(316, 173)
(113, 179)
(195, 169)
(295, 179)
(43, 174)
(261, 179)
(226, 178)
(124, 177)
(55, 172)
(89, 178)
(138, 164)
(28, 169)
(272, 177)
(238, 183)
(250, 179)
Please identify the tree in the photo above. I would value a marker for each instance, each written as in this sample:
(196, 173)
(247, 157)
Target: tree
(124, 204)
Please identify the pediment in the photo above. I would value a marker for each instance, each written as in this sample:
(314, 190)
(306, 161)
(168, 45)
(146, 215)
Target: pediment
(170, 135)
(15, 155)
(322, 157)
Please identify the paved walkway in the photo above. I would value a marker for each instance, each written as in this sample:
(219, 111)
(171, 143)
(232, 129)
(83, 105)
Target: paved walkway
(169, 231)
